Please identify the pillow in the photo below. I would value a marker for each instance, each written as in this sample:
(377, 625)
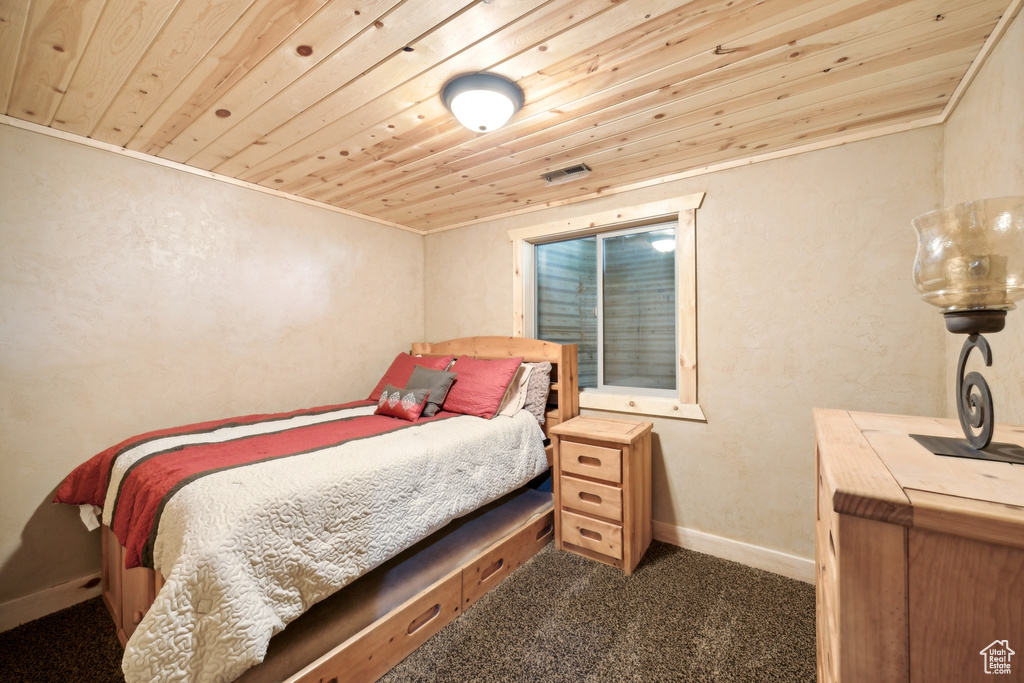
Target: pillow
(481, 385)
(404, 403)
(401, 369)
(537, 389)
(437, 381)
(515, 395)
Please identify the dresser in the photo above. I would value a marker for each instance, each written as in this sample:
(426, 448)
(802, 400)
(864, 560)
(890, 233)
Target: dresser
(602, 485)
(919, 557)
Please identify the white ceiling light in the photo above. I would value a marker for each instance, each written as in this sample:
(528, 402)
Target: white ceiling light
(482, 102)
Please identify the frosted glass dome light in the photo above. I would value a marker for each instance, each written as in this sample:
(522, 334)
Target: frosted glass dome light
(664, 245)
(482, 102)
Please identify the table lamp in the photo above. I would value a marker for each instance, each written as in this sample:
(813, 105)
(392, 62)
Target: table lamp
(970, 263)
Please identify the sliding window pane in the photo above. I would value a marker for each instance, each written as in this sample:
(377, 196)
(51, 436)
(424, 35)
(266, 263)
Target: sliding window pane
(640, 311)
(567, 300)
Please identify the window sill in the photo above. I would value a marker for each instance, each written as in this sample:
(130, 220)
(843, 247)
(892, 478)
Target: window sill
(642, 405)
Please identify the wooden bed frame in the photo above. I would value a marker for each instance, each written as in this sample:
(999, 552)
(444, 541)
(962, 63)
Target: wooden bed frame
(377, 648)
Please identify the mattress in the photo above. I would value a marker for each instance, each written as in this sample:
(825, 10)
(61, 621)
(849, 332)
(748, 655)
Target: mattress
(246, 549)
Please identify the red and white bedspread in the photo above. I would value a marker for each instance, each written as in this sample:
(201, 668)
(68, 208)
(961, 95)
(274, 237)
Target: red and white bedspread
(254, 520)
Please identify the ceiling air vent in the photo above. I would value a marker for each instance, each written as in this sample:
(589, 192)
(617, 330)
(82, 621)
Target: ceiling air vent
(568, 174)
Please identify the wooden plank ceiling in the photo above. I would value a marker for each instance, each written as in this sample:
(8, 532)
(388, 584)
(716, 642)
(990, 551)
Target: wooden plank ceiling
(338, 100)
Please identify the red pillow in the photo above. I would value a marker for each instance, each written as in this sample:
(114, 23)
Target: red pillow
(401, 370)
(404, 403)
(480, 385)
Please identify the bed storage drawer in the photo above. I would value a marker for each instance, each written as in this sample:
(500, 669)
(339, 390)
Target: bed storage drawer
(586, 460)
(372, 652)
(492, 567)
(592, 534)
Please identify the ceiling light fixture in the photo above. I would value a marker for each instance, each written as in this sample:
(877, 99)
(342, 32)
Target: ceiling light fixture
(482, 102)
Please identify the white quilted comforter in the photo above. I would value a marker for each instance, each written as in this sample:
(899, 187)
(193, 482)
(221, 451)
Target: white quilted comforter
(247, 550)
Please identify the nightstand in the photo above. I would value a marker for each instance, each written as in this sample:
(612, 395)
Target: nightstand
(602, 484)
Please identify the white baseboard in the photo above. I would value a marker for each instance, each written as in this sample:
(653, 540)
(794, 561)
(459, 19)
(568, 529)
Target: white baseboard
(799, 568)
(30, 607)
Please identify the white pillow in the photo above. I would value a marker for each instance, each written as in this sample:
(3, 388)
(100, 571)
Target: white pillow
(515, 395)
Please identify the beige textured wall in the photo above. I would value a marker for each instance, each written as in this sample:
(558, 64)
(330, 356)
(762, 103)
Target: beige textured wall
(984, 157)
(134, 297)
(805, 299)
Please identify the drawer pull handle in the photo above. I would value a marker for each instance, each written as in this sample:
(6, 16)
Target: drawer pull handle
(545, 530)
(422, 619)
(831, 543)
(590, 498)
(592, 535)
(492, 570)
(589, 461)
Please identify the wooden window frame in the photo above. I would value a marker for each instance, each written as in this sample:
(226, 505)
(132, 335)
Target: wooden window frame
(682, 210)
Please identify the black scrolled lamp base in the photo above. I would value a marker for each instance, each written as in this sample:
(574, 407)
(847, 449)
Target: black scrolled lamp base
(974, 398)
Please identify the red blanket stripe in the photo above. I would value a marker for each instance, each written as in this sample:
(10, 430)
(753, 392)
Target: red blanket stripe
(149, 484)
(87, 483)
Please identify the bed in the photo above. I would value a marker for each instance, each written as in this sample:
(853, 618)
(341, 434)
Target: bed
(420, 518)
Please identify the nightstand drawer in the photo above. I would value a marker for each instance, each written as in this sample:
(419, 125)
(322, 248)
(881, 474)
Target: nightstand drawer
(592, 534)
(592, 498)
(591, 461)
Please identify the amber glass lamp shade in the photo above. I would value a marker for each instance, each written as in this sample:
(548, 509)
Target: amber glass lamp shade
(970, 261)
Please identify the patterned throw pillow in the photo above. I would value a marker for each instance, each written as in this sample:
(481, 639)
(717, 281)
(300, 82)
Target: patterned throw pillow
(404, 403)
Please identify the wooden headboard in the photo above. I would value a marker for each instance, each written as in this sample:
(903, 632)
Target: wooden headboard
(564, 400)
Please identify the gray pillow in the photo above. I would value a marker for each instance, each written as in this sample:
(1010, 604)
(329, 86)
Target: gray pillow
(537, 388)
(438, 381)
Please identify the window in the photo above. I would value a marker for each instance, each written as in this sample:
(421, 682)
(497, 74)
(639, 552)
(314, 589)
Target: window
(620, 285)
(614, 295)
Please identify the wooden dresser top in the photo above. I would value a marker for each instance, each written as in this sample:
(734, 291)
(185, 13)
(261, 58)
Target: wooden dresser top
(877, 471)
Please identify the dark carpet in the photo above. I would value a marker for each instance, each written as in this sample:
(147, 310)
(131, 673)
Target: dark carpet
(76, 644)
(681, 616)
